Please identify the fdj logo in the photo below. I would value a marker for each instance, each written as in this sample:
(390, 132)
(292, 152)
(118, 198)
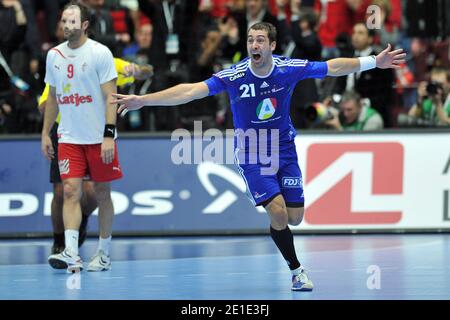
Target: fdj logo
(292, 182)
(266, 108)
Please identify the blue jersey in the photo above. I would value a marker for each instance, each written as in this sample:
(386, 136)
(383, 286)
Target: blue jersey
(264, 102)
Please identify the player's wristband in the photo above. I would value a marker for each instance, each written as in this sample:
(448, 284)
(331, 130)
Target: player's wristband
(110, 131)
(367, 63)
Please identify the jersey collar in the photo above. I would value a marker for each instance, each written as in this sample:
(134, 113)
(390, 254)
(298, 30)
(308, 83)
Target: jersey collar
(261, 77)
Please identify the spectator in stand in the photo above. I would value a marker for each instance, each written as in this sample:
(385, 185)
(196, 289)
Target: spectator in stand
(355, 115)
(376, 84)
(433, 102)
(337, 17)
(132, 8)
(12, 34)
(173, 22)
(389, 32)
(102, 27)
(307, 46)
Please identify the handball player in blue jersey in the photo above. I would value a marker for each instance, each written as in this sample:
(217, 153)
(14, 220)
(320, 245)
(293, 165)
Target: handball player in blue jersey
(260, 89)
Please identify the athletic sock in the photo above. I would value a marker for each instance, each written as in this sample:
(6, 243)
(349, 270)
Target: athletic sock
(71, 241)
(297, 271)
(285, 243)
(103, 244)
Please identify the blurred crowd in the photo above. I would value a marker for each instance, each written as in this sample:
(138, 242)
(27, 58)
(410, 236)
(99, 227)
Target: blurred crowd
(189, 40)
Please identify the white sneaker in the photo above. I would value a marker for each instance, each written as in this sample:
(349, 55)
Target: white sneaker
(99, 262)
(66, 260)
(301, 282)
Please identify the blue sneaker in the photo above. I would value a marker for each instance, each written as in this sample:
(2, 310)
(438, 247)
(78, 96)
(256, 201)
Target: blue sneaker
(301, 282)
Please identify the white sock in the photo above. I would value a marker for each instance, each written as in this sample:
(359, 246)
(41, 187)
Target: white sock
(103, 244)
(297, 271)
(71, 240)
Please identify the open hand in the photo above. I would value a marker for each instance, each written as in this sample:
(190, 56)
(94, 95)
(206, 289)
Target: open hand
(126, 102)
(390, 59)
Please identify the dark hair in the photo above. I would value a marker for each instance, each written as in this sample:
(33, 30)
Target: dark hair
(351, 96)
(310, 16)
(265, 26)
(85, 15)
(371, 32)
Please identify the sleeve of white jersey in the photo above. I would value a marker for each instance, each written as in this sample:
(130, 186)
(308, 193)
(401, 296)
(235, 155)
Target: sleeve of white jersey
(49, 78)
(106, 69)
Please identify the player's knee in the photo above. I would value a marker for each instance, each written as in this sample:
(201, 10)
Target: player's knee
(296, 220)
(71, 191)
(89, 189)
(102, 195)
(295, 216)
(278, 215)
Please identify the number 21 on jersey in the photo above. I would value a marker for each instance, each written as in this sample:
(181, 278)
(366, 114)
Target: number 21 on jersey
(249, 90)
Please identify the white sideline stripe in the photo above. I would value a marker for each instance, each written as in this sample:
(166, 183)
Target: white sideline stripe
(236, 273)
(25, 280)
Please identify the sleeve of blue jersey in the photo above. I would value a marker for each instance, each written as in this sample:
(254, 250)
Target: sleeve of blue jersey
(310, 69)
(215, 85)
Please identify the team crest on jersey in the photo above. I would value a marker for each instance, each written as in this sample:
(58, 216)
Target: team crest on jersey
(66, 88)
(266, 108)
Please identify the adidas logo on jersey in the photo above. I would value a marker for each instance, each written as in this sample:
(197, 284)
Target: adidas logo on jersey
(264, 85)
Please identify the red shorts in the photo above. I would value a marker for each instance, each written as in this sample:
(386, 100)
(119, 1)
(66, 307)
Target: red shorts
(80, 160)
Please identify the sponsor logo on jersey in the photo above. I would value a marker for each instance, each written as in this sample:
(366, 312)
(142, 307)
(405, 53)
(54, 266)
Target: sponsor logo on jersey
(237, 76)
(292, 182)
(266, 108)
(75, 99)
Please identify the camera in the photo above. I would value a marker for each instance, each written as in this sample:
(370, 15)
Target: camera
(318, 112)
(433, 87)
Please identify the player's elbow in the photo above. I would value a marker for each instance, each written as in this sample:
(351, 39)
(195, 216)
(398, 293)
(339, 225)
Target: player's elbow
(333, 70)
(195, 91)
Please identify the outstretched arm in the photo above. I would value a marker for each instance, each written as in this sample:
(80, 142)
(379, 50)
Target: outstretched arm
(179, 94)
(384, 60)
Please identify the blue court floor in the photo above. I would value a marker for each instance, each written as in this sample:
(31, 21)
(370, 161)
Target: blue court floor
(233, 268)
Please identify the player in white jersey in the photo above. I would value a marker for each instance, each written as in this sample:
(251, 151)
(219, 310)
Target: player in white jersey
(82, 79)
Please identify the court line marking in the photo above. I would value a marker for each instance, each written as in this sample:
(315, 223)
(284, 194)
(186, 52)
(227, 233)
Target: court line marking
(25, 280)
(237, 273)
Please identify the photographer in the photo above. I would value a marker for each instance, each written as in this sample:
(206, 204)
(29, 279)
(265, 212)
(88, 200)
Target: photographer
(355, 115)
(433, 101)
